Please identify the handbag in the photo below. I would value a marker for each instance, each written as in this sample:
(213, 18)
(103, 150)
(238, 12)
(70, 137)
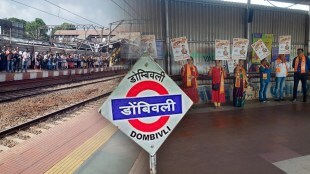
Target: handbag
(215, 87)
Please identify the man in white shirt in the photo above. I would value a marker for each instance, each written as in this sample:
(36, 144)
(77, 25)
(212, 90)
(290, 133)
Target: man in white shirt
(281, 68)
(25, 57)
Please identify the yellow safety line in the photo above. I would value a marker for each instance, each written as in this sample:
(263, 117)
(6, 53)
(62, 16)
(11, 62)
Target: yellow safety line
(76, 158)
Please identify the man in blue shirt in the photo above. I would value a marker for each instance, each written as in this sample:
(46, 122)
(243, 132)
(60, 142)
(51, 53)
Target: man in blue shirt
(301, 65)
(265, 73)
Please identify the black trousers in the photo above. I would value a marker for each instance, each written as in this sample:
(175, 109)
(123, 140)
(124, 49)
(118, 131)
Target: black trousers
(303, 78)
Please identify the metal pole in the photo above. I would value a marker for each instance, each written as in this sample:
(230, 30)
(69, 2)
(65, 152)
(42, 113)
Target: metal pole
(51, 41)
(101, 37)
(309, 29)
(10, 36)
(248, 34)
(153, 164)
(109, 37)
(168, 60)
(130, 46)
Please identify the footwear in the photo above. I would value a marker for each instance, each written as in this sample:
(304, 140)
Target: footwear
(282, 99)
(293, 100)
(266, 101)
(277, 100)
(305, 101)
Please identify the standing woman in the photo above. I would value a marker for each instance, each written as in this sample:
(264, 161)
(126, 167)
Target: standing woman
(265, 72)
(189, 75)
(240, 83)
(217, 74)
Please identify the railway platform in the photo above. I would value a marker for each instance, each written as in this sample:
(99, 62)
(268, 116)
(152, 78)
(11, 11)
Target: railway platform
(264, 138)
(43, 74)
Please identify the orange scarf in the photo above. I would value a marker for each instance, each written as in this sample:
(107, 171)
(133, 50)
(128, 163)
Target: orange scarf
(222, 83)
(303, 64)
(188, 74)
(238, 81)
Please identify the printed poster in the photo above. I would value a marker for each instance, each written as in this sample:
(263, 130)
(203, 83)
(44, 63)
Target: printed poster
(260, 49)
(267, 39)
(130, 44)
(180, 48)
(222, 51)
(285, 43)
(148, 45)
(240, 48)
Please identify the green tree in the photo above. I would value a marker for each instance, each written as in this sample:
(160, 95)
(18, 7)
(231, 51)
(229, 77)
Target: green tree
(17, 20)
(36, 29)
(64, 26)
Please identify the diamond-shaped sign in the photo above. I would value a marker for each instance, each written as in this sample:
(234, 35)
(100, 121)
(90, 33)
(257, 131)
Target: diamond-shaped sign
(146, 105)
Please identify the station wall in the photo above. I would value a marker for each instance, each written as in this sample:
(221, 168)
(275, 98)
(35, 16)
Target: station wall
(203, 21)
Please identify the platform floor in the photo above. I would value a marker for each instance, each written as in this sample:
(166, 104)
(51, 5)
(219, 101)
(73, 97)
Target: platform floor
(269, 138)
(259, 140)
(61, 149)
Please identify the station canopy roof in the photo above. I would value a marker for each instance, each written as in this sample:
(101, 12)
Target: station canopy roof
(303, 2)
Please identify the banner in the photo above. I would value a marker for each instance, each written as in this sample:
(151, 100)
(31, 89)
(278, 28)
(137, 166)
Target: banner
(285, 43)
(180, 48)
(222, 51)
(267, 39)
(240, 48)
(148, 45)
(260, 49)
(130, 45)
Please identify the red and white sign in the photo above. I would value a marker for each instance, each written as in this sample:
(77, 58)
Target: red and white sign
(147, 105)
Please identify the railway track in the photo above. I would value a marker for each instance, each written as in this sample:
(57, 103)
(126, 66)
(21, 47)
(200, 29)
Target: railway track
(22, 126)
(21, 93)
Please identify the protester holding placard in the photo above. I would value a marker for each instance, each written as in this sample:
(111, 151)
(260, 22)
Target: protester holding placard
(281, 68)
(265, 73)
(189, 78)
(285, 43)
(222, 49)
(218, 74)
(148, 45)
(180, 49)
(301, 65)
(240, 48)
(240, 84)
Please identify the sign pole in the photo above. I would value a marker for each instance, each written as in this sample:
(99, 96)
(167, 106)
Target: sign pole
(153, 164)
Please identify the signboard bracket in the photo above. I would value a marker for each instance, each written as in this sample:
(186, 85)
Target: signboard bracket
(153, 164)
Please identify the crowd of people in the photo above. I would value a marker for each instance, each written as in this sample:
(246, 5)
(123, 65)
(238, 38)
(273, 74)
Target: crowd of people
(14, 60)
(300, 64)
